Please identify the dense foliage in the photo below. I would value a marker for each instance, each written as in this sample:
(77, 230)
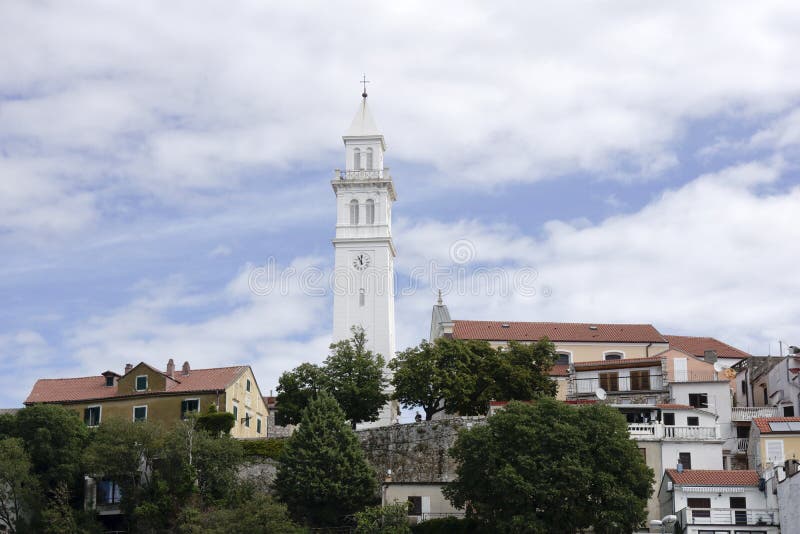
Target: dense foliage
(462, 376)
(550, 463)
(389, 519)
(352, 374)
(19, 489)
(323, 475)
(264, 448)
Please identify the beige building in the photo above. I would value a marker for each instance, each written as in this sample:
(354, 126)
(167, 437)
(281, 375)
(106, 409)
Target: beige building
(773, 440)
(144, 393)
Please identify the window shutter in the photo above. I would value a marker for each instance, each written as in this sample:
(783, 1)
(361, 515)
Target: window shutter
(775, 451)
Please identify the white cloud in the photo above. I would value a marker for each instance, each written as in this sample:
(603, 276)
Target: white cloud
(714, 257)
(177, 102)
(220, 251)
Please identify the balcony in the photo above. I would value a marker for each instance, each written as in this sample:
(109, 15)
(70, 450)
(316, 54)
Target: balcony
(614, 385)
(741, 445)
(362, 174)
(748, 413)
(658, 431)
(728, 516)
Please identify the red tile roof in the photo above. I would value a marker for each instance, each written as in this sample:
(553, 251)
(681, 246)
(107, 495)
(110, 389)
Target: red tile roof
(763, 422)
(94, 387)
(698, 345)
(709, 477)
(618, 364)
(581, 332)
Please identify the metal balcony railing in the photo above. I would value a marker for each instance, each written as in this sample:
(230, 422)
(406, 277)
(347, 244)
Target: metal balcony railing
(585, 386)
(748, 413)
(362, 174)
(741, 445)
(728, 516)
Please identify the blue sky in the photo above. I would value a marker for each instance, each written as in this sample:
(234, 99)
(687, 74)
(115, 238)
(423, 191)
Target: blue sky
(643, 159)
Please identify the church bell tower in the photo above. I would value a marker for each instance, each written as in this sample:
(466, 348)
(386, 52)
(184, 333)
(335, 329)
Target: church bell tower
(364, 252)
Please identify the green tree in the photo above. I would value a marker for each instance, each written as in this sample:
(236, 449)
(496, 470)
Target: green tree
(18, 486)
(354, 376)
(532, 467)
(54, 437)
(389, 519)
(523, 372)
(217, 460)
(295, 389)
(257, 514)
(323, 475)
(351, 373)
(58, 516)
(215, 422)
(419, 378)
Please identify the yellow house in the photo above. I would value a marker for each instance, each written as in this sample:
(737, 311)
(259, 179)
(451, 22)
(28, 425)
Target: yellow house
(773, 440)
(146, 393)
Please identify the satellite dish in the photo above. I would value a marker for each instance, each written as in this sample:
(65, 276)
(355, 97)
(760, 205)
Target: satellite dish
(720, 366)
(600, 393)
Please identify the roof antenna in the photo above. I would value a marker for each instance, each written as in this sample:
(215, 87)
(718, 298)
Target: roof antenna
(364, 82)
(439, 302)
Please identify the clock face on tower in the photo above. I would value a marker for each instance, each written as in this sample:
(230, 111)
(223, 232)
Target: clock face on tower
(361, 261)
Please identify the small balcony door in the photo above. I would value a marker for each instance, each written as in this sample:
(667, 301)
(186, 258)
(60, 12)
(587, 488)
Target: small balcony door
(738, 505)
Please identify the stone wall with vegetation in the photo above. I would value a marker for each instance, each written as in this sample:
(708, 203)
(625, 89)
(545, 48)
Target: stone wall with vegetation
(415, 452)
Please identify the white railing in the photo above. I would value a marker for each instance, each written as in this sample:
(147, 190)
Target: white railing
(741, 444)
(619, 384)
(690, 432)
(660, 431)
(748, 413)
(728, 516)
(362, 174)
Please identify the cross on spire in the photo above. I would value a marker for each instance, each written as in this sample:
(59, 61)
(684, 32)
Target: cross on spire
(364, 82)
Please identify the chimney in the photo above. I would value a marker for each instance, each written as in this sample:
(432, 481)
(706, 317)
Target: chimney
(710, 356)
(185, 370)
(171, 368)
(128, 368)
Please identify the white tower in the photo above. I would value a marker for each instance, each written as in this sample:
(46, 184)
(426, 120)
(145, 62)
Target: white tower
(364, 263)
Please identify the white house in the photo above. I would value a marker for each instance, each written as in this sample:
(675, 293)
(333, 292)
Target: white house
(718, 502)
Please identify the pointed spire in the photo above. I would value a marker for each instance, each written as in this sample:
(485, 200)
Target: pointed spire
(363, 124)
(439, 301)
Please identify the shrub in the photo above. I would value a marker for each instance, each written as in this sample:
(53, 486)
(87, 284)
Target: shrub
(448, 525)
(265, 448)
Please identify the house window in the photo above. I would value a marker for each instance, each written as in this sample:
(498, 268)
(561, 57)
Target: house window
(357, 159)
(109, 381)
(766, 397)
(141, 383)
(91, 416)
(415, 506)
(354, 212)
(739, 505)
(370, 211)
(703, 503)
(562, 358)
(788, 411)
(698, 400)
(774, 451)
(742, 432)
(248, 384)
(744, 388)
(361, 298)
(189, 405)
(140, 413)
(613, 356)
(609, 381)
(235, 414)
(669, 419)
(247, 419)
(258, 425)
(692, 421)
(108, 492)
(640, 380)
(369, 159)
(685, 459)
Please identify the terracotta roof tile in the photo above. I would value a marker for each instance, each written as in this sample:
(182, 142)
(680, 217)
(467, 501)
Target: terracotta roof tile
(708, 477)
(698, 345)
(763, 422)
(582, 332)
(94, 387)
(559, 370)
(618, 364)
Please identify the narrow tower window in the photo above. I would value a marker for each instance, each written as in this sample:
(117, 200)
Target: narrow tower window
(354, 212)
(369, 159)
(357, 159)
(370, 211)
(361, 298)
